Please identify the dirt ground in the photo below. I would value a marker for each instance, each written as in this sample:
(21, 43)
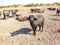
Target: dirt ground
(14, 32)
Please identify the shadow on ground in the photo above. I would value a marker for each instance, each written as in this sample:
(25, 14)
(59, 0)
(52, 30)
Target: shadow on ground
(21, 31)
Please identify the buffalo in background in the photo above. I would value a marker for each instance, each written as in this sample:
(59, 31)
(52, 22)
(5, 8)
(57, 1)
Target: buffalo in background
(51, 9)
(58, 11)
(20, 18)
(6, 13)
(14, 12)
(37, 10)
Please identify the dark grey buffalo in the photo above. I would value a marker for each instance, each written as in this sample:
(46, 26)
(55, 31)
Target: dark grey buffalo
(36, 21)
(35, 10)
(58, 11)
(6, 13)
(51, 8)
(14, 12)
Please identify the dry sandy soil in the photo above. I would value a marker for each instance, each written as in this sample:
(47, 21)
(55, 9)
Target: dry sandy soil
(14, 32)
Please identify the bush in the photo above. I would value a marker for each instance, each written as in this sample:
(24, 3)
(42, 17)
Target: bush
(10, 6)
(56, 3)
(41, 4)
(14, 5)
(32, 4)
(4, 6)
(29, 5)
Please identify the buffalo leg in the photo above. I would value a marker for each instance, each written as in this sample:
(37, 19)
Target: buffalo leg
(42, 25)
(39, 27)
(17, 18)
(34, 31)
(58, 14)
(4, 17)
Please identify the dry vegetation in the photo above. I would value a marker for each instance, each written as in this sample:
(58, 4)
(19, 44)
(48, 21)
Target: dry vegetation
(13, 32)
(30, 5)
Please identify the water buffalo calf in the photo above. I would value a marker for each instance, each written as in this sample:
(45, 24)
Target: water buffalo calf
(36, 21)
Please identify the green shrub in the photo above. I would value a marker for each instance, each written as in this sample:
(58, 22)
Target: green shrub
(56, 3)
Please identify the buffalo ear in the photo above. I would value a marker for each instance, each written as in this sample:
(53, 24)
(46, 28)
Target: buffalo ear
(27, 18)
(35, 18)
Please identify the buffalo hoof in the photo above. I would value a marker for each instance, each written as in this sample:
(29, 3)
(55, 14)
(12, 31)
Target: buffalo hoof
(4, 18)
(41, 30)
(17, 19)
